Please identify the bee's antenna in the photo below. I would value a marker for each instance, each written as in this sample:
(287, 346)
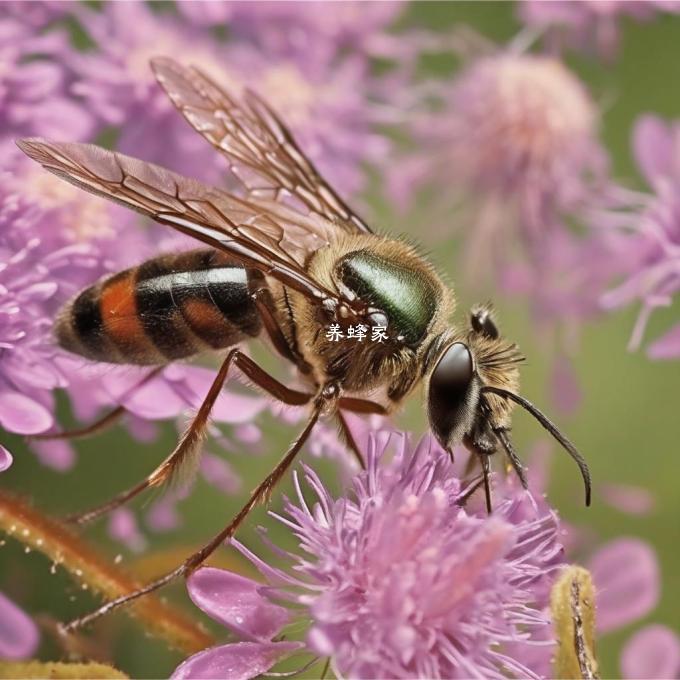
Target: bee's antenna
(551, 428)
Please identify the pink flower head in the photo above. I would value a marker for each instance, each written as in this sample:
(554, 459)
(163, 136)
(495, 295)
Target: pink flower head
(397, 579)
(588, 24)
(651, 234)
(515, 141)
(237, 603)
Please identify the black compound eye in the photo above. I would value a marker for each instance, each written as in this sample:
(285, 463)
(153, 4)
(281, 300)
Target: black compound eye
(448, 404)
(452, 375)
(483, 323)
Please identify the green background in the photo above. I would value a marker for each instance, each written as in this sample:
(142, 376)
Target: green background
(627, 425)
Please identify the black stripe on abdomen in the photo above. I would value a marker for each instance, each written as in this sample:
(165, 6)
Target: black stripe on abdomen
(161, 318)
(194, 301)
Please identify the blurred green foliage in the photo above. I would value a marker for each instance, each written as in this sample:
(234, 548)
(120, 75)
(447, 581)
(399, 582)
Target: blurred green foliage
(627, 425)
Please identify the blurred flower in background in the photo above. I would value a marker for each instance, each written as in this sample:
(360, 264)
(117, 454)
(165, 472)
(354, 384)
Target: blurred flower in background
(19, 635)
(34, 78)
(651, 234)
(593, 25)
(327, 105)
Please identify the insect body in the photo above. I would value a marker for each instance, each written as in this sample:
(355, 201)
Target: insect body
(168, 308)
(287, 260)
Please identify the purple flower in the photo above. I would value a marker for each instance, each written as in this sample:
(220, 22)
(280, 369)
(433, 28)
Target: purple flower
(628, 498)
(588, 24)
(653, 652)
(651, 234)
(398, 580)
(33, 100)
(237, 603)
(123, 527)
(520, 129)
(19, 636)
(38, 272)
(326, 107)
(514, 149)
(321, 32)
(514, 145)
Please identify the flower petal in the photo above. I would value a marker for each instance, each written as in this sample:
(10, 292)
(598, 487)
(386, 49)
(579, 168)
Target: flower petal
(19, 636)
(5, 458)
(652, 147)
(626, 575)
(667, 346)
(238, 661)
(628, 498)
(57, 454)
(653, 652)
(20, 414)
(235, 601)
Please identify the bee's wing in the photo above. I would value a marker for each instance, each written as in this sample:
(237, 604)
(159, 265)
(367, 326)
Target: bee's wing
(260, 150)
(277, 243)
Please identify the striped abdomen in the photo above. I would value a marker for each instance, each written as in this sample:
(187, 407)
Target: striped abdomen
(165, 309)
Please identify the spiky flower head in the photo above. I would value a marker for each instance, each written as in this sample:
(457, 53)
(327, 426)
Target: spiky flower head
(523, 123)
(400, 579)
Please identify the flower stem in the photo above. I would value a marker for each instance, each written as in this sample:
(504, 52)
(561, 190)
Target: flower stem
(95, 572)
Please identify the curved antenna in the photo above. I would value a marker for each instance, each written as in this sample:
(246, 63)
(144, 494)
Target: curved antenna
(551, 428)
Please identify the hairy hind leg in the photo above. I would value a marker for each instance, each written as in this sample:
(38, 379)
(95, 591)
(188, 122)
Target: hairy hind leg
(194, 560)
(187, 452)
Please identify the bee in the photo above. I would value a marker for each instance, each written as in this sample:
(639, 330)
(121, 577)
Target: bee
(284, 260)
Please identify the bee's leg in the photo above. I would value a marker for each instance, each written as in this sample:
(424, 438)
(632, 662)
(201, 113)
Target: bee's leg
(472, 487)
(260, 494)
(482, 442)
(484, 460)
(356, 406)
(101, 424)
(361, 406)
(263, 301)
(350, 441)
(188, 448)
(502, 435)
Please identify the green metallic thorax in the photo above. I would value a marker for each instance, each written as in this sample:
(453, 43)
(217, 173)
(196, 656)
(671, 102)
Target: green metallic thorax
(407, 297)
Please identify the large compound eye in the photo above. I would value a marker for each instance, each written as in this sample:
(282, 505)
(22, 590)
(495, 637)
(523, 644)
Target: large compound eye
(449, 391)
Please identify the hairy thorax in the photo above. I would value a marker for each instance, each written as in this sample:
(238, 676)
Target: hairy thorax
(391, 277)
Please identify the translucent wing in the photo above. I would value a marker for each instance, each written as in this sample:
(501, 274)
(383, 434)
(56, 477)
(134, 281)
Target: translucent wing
(277, 243)
(260, 150)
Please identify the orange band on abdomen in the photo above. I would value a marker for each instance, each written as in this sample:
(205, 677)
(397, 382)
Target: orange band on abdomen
(118, 307)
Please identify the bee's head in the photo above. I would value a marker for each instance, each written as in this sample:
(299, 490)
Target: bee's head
(462, 365)
(472, 386)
